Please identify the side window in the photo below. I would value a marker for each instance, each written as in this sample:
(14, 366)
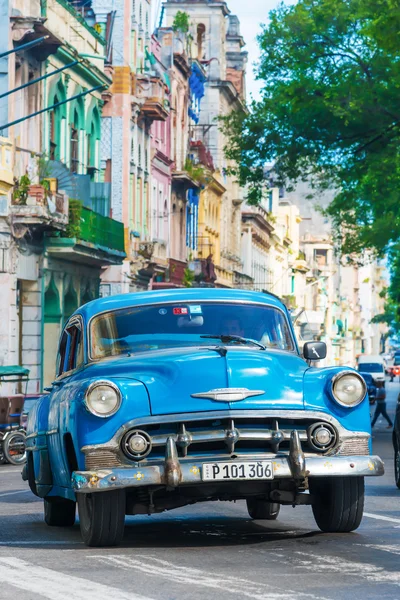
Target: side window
(61, 354)
(75, 347)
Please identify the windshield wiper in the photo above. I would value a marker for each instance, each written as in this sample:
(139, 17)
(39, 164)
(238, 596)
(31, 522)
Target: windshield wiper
(225, 339)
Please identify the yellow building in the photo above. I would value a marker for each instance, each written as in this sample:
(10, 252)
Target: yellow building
(209, 238)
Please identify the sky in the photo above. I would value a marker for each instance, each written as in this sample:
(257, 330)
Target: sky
(252, 13)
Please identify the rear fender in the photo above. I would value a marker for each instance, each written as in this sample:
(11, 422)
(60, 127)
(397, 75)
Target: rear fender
(37, 447)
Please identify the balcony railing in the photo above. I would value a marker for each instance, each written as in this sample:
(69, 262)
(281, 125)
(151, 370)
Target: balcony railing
(102, 231)
(152, 90)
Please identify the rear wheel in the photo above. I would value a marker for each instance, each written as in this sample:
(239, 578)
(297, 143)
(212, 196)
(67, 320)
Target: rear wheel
(59, 512)
(102, 517)
(339, 503)
(14, 447)
(262, 510)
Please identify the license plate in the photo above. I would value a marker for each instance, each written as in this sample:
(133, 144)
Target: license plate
(237, 470)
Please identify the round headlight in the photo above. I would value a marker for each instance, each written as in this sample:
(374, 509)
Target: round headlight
(103, 398)
(348, 389)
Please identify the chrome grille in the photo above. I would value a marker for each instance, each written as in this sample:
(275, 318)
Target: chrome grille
(100, 458)
(229, 435)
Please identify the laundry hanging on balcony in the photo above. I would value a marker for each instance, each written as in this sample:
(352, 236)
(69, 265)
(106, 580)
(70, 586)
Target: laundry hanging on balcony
(196, 84)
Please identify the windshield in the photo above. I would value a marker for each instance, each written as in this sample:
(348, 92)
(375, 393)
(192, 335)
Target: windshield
(370, 368)
(396, 361)
(143, 328)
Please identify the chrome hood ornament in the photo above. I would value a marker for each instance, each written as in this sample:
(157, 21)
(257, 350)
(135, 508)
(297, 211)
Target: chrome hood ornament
(228, 394)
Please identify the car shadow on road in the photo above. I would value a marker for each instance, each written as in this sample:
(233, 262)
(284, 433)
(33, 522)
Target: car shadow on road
(29, 531)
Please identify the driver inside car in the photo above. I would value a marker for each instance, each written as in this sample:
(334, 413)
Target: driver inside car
(232, 326)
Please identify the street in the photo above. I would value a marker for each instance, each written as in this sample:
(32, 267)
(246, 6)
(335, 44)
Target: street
(206, 551)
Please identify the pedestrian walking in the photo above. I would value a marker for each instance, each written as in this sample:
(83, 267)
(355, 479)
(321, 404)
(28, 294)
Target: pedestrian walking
(381, 408)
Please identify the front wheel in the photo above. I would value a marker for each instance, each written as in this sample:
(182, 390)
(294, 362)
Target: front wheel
(339, 503)
(14, 447)
(59, 512)
(102, 517)
(262, 510)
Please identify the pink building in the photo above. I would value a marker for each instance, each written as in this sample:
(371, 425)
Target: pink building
(161, 177)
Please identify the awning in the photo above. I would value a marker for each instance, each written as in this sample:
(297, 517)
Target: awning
(14, 371)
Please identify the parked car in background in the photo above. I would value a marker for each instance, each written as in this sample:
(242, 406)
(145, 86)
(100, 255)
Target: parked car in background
(164, 399)
(394, 369)
(372, 364)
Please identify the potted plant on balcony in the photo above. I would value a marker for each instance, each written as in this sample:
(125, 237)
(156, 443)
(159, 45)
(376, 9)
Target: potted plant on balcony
(181, 25)
(21, 190)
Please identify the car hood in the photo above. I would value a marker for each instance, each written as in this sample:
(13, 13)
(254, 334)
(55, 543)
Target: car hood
(173, 376)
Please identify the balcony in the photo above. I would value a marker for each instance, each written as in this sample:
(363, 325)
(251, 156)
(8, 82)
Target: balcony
(301, 265)
(36, 207)
(151, 90)
(200, 154)
(91, 239)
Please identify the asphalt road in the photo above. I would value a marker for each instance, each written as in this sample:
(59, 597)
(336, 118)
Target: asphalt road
(206, 551)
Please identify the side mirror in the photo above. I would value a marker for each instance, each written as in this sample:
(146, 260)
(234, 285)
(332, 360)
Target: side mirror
(314, 350)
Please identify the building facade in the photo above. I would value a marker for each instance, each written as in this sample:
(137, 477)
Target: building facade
(56, 230)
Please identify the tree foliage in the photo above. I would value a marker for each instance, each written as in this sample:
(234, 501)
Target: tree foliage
(329, 113)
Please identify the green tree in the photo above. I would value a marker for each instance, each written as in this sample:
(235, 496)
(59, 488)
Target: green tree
(329, 113)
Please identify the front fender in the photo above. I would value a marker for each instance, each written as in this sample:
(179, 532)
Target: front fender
(317, 397)
(86, 428)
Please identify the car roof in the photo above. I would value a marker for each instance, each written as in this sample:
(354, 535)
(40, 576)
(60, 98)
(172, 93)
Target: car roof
(177, 295)
(370, 358)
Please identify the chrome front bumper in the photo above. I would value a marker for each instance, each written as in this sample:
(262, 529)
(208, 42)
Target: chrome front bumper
(173, 473)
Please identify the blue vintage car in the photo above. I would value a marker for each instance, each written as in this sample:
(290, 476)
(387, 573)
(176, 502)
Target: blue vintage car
(163, 399)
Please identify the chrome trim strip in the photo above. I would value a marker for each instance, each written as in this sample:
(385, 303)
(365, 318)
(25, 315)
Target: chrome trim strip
(190, 472)
(36, 434)
(192, 300)
(228, 394)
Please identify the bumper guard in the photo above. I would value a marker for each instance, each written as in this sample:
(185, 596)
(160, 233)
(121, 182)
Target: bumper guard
(172, 473)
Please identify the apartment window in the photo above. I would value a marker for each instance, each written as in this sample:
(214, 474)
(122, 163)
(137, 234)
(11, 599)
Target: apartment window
(321, 257)
(74, 149)
(53, 142)
(74, 144)
(201, 36)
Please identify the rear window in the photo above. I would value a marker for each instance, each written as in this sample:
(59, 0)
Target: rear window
(153, 327)
(370, 368)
